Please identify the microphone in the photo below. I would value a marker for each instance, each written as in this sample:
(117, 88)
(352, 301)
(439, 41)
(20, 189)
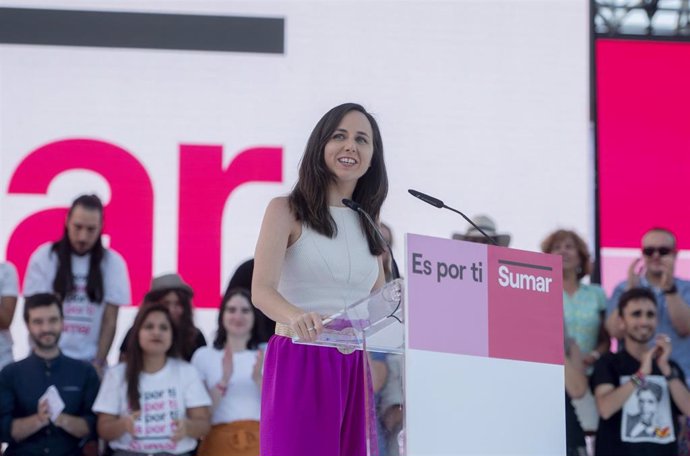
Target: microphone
(426, 198)
(353, 205)
(358, 208)
(439, 204)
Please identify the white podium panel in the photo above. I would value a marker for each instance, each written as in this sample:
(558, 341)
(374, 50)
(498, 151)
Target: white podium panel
(488, 406)
(484, 352)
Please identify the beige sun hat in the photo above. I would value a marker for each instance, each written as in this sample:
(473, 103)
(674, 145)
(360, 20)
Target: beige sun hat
(171, 281)
(487, 224)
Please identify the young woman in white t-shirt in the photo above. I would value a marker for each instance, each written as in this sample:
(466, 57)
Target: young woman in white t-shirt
(232, 372)
(155, 403)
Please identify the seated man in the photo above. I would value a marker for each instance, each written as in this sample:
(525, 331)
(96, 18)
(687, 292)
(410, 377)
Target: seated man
(31, 419)
(639, 391)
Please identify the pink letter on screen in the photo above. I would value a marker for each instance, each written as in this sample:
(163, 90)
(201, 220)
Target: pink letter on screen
(128, 215)
(204, 188)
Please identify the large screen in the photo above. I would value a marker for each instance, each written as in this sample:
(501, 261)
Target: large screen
(643, 148)
(187, 129)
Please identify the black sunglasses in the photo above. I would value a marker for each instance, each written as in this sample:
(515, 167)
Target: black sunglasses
(663, 251)
(638, 313)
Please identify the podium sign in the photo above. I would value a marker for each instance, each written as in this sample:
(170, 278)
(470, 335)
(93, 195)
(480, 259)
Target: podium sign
(484, 352)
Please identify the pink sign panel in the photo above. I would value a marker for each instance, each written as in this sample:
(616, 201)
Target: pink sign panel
(525, 305)
(447, 296)
(480, 300)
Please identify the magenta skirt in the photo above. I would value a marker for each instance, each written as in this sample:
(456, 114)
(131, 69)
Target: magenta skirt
(315, 401)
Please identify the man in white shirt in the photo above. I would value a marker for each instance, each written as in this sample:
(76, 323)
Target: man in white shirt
(91, 279)
(8, 302)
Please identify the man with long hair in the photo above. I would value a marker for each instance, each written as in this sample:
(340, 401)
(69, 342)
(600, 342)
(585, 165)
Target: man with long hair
(91, 280)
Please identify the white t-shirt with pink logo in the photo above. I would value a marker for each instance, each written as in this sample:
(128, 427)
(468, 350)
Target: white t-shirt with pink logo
(164, 396)
(83, 318)
(242, 401)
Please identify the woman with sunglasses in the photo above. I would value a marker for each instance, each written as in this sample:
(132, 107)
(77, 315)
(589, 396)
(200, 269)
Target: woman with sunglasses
(155, 403)
(313, 257)
(232, 372)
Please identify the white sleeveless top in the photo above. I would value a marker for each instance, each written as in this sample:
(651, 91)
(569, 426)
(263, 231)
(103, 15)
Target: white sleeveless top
(323, 275)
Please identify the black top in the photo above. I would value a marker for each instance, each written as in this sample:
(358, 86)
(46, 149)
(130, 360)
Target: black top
(24, 382)
(574, 435)
(648, 441)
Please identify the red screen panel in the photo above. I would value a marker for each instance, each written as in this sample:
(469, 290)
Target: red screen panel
(643, 110)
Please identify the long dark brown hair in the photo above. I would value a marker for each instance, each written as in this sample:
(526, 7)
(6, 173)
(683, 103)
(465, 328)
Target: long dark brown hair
(309, 198)
(63, 285)
(186, 330)
(135, 355)
(222, 334)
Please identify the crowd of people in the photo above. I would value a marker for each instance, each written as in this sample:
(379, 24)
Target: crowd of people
(638, 399)
(173, 394)
(633, 400)
(170, 389)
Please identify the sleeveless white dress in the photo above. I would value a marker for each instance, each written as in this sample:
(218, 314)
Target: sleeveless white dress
(315, 400)
(324, 275)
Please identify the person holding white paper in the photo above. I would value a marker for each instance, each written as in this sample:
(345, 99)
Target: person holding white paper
(46, 399)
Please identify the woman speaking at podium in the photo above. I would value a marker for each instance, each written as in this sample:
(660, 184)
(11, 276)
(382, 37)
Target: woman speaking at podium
(313, 257)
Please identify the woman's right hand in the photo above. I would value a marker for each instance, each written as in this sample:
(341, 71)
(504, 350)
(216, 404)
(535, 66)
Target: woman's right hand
(307, 326)
(129, 422)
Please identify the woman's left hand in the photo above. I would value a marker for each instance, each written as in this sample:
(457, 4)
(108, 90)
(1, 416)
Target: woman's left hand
(306, 325)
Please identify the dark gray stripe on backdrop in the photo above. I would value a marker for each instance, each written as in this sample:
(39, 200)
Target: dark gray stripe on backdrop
(142, 30)
(526, 265)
